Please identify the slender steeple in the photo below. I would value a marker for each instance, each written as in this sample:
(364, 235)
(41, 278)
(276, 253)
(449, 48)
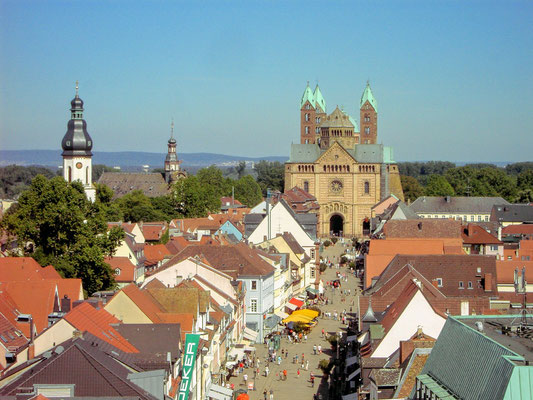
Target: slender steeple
(319, 99)
(307, 96)
(172, 164)
(368, 96)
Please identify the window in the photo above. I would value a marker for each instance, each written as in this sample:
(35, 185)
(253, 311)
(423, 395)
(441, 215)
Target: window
(486, 217)
(367, 130)
(367, 187)
(254, 285)
(306, 116)
(306, 130)
(253, 305)
(470, 285)
(367, 118)
(471, 218)
(461, 285)
(306, 186)
(313, 254)
(439, 282)
(307, 106)
(479, 218)
(313, 273)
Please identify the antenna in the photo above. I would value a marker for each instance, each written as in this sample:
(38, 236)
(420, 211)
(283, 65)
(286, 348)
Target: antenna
(77, 87)
(520, 287)
(172, 129)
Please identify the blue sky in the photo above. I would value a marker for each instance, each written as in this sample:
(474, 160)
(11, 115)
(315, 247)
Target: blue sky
(453, 79)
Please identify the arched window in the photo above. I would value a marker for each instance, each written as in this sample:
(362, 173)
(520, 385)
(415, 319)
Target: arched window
(306, 130)
(70, 174)
(87, 175)
(306, 116)
(306, 186)
(367, 187)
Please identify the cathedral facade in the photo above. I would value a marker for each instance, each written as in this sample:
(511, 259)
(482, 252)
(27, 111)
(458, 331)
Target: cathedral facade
(342, 166)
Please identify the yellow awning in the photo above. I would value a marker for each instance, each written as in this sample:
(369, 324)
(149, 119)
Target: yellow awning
(307, 312)
(297, 318)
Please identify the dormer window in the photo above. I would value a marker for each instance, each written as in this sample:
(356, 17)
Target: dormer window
(117, 271)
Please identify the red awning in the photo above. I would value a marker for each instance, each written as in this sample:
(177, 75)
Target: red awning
(296, 302)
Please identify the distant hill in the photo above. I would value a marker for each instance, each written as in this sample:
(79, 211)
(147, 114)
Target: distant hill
(126, 159)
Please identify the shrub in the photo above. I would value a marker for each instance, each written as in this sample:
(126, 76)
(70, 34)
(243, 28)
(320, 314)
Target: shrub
(334, 240)
(332, 339)
(323, 267)
(324, 365)
(344, 260)
(351, 265)
(327, 243)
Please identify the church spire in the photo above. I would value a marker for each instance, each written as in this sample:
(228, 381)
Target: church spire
(307, 96)
(319, 99)
(368, 96)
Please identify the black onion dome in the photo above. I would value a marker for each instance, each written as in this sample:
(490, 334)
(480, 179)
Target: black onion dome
(76, 104)
(171, 141)
(77, 141)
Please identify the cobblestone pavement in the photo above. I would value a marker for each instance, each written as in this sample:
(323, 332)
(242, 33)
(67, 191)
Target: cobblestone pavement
(299, 387)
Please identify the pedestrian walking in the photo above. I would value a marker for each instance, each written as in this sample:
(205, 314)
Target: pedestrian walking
(265, 394)
(245, 379)
(307, 365)
(279, 360)
(312, 380)
(284, 374)
(286, 354)
(314, 349)
(319, 349)
(322, 332)
(303, 365)
(271, 394)
(298, 373)
(266, 371)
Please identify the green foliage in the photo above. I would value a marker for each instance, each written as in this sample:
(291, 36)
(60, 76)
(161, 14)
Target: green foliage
(334, 240)
(412, 189)
(468, 181)
(136, 206)
(165, 237)
(165, 207)
(300, 326)
(67, 231)
(438, 186)
(524, 180)
(517, 168)
(323, 267)
(325, 365)
(270, 175)
(194, 199)
(327, 243)
(248, 191)
(317, 309)
(417, 169)
(212, 177)
(332, 339)
(99, 169)
(14, 179)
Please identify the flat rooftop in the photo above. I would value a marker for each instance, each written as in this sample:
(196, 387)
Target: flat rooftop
(505, 330)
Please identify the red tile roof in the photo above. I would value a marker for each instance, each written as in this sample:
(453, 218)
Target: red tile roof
(155, 253)
(186, 321)
(144, 302)
(49, 272)
(474, 234)
(228, 201)
(20, 269)
(153, 232)
(126, 267)
(521, 229)
(86, 318)
(505, 270)
(423, 228)
(10, 336)
(177, 244)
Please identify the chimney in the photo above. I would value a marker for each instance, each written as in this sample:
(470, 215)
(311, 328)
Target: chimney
(499, 233)
(488, 282)
(65, 304)
(77, 334)
(448, 199)
(31, 350)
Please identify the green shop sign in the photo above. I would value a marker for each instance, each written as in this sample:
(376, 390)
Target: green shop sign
(191, 346)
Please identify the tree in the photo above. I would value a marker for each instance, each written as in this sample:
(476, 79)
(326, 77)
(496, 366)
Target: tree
(99, 169)
(212, 177)
(194, 199)
(136, 206)
(248, 191)
(438, 186)
(241, 168)
(66, 230)
(524, 180)
(165, 206)
(14, 179)
(270, 175)
(412, 189)
(516, 168)
(109, 208)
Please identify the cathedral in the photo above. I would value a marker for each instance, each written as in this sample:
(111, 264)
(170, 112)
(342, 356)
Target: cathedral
(343, 167)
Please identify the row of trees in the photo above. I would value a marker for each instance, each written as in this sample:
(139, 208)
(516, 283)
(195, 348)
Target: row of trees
(514, 183)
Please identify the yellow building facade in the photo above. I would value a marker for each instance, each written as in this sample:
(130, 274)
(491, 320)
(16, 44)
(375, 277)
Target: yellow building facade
(346, 174)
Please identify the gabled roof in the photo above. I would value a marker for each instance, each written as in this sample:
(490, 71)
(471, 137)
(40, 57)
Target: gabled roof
(337, 119)
(505, 270)
(22, 269)
(153, 232)
(155, 340)
(143, 301)
(384, 204)
(292, 243)
(474, 234)
(305, 153)
(237, 260)
(177, 244)
(80, 363)
(126, 267)
(368, 96)
(10, 336)
(37, 298)
(151, 184)
(86, 318)
(520, 229)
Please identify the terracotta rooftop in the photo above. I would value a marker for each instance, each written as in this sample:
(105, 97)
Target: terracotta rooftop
(126, 267)
(144, 302)
(155, 253)
(86, 318)
(505, 270)
(474, 234)
(10, 336)
(24, 269)
(181, 300)
(177, 244)
(234, 260)
(520, 229)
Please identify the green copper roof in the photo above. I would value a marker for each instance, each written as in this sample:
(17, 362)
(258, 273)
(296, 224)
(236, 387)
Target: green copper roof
(521, 384)
(355, 127)
(307, 96)
(317, 95)
(368, 96)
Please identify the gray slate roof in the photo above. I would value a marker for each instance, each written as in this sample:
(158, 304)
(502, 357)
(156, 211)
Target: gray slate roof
(468, 205)
(482, 371)
(362, 153)
(151, 184)
(512, 213)
(304, 153)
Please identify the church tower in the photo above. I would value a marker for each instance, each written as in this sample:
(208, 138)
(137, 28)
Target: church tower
(312, 112)
(172, 164)
(77, 146)
(369, 117)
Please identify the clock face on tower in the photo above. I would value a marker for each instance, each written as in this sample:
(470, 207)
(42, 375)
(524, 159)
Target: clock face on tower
(79, 165)
(336, 186)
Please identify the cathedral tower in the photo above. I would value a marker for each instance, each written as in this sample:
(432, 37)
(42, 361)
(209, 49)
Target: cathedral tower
(172, 164)
(312, 111)
(369, 117)
(77, 146)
